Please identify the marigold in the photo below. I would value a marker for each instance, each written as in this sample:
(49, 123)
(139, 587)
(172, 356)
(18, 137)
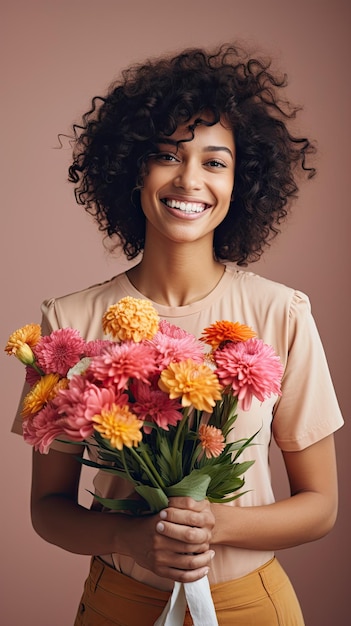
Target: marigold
(29, 334)
(223, 331)
(131, 318)
(119, 426)
(42, 392)
(195, 383)
(212, 440)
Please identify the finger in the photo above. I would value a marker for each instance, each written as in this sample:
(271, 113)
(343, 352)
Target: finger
(184, 534)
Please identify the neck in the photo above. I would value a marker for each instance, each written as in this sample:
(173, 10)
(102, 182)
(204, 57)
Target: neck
(178, 275)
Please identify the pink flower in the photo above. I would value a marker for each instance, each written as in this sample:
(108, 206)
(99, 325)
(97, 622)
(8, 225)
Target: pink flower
(153, 405)
(32, 376)
(119, 362)
(212, 440)
(251, 368)
(41, 430)
(78, 404)
(96, 347)
(175, 344)
(58, 352)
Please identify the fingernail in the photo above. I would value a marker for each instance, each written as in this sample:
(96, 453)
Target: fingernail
(207, 569)
(163, 514)
(160, 527)
(212, 554)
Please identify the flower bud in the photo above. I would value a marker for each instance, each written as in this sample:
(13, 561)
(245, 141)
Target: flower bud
(25, 354)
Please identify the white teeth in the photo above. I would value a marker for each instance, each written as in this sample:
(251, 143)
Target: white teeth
(187, 207)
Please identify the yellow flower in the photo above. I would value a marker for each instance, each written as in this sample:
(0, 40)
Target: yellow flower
(119, 426)
(25, 354)
(27, 335)
(131, 318)
(223, 331)
(43, 391)
(195, 383)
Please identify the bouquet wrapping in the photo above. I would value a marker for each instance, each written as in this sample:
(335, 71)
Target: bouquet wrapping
(158, 405)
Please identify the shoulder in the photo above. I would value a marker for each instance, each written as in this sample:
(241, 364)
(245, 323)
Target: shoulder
(83, 309)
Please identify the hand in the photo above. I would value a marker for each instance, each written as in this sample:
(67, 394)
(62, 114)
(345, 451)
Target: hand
(175, 544)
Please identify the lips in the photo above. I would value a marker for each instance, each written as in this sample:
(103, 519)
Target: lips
(186, 207)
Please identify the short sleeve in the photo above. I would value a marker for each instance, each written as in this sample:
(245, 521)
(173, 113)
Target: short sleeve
(307, 410)
(49, 323)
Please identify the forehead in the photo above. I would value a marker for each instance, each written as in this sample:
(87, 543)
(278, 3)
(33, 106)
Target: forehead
(199, 131)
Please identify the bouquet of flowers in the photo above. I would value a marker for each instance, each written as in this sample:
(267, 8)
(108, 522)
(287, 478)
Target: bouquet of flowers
(158, 405)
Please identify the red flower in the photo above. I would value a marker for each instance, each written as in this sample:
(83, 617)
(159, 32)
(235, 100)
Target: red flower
(58, 352)
(153, 405)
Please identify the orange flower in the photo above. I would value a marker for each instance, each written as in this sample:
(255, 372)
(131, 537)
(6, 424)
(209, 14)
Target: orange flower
(44, 390)
(195, 383)
(212, 440)
(119, 426)
(131, 318)
(223, 331)
(28, 335)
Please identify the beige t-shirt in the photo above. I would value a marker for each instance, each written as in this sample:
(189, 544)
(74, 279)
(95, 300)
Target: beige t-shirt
(306, 412)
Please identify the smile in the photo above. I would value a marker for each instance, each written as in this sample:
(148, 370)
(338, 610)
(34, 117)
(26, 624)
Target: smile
(186, 207)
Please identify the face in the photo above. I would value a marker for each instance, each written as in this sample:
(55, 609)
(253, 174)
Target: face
(187, 190)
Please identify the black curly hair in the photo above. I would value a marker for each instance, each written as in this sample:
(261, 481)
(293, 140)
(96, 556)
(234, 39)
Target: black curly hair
(120, 131)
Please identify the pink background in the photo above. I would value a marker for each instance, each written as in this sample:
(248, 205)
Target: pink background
(55, 56)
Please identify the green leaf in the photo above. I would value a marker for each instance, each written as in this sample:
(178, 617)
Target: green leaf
(134, 506)
(155, 497)
(194, 485)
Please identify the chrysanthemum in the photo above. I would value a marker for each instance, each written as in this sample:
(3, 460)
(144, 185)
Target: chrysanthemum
(119, 362)
(251, 368)
(131, 318)
(29, 334)
(41, 430)
(212, 440)
(119, 426)
(174, 344)
(77, 405)
(220, 332)
(194, 383)
(59, 351)
(32, 376)
(153, 405)
(95, 347)
(42, 392)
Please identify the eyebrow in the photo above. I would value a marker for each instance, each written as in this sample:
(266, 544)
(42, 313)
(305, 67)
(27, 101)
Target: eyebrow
(173, 142)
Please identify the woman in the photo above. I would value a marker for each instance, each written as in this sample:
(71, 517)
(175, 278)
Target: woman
(189, 161)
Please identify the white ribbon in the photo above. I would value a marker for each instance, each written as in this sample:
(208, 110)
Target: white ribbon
(197, 596)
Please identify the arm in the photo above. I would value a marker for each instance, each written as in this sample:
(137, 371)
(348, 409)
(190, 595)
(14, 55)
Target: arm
(307, 515)
(59, 519)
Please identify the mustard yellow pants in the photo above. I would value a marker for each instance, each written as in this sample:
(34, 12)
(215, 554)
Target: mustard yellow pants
(263, 598)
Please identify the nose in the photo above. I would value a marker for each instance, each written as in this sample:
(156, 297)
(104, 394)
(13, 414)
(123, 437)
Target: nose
(189, 176)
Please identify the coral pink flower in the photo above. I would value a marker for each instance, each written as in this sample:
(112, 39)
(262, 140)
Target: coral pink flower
(251, 368)
(58, 352)
(80, 402)
(175, 344)
(212, 440)
(119, 362)
(153, 405)
(96, 347)
(41, 430)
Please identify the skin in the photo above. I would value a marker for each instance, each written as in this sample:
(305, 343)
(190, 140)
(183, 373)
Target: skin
(177, 268)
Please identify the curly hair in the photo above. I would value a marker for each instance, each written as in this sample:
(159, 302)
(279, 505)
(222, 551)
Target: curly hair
(120, 131)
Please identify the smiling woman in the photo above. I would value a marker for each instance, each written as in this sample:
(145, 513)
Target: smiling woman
(189, 161)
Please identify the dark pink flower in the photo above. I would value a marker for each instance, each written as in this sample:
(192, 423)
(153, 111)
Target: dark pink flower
(120, 362)
(153, 405)
(58, 352)
(251, 368)
(41, 430)
(32, 376)
(175, 344)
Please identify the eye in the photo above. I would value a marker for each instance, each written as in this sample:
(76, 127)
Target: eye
(166, 157)
(215, 163)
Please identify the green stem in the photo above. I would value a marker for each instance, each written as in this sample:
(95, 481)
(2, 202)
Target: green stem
(152, 474)
(178, 433)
